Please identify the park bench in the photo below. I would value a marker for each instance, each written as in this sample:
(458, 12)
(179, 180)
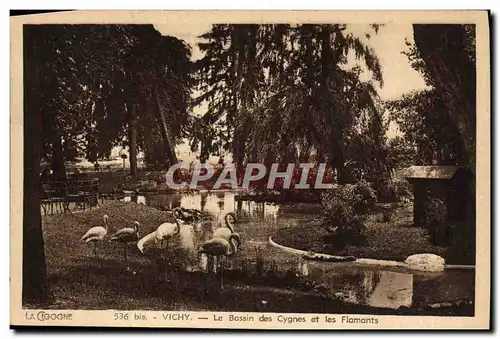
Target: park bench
(59, 195)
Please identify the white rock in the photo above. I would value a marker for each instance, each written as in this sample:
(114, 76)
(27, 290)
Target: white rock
(425, 262)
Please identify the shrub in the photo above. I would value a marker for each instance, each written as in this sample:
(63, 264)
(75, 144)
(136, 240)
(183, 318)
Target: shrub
(395, 190)
(435, 212)
(159, 178)
(386, 216)
(435, 222)
(345, 208)
(400, 188)
(458, 236)
(462, 243)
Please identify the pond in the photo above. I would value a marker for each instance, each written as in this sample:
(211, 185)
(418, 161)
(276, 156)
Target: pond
(259, 262)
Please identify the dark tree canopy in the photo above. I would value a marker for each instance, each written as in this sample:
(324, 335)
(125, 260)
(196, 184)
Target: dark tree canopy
(275, 93)
(439, 123)
(282, 92)
(106, 84)
(89, 88)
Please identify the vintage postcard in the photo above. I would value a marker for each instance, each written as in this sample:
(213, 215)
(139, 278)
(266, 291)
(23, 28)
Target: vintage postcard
(251, 170)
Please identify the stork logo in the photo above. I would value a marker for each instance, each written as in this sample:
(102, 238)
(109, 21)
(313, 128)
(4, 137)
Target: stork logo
(253, 172)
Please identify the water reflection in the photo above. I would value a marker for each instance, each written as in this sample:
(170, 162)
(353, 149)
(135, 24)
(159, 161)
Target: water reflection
(138, 199)
(366, 287)
(393, 290)
(218, 204)
(257, 261)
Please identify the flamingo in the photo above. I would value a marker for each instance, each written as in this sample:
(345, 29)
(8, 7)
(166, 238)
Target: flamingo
(127, 235)
(187, 214)
(149, 238)
(226, 232)
(183, 214)
(96, 234)
(219, 248)
(163, 233)
(185, 238)
(149, 241)
(167, 231)
(204, 228)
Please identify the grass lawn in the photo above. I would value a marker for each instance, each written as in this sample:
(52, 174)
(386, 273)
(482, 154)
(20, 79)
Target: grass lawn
(77, 283)
(391, 240)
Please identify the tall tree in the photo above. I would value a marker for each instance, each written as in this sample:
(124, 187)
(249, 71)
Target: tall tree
(283, 90)
(444, 114)
(106, 81)
(439, 122)
(161, 70)
(35, 285)
(446, 50)
(430, 132)
(84, 93)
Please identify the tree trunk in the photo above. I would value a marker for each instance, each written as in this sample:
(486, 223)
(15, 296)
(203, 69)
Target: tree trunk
(133, 142)
(35, 286)
(444, 50)
(239, 151)
(342, 174)
(305, 154)
(320, 155)
(165, 133)
(57, 160)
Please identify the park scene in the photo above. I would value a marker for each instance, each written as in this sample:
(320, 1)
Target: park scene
(383, 116)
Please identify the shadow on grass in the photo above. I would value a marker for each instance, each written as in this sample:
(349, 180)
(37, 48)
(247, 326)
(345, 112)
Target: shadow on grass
(112, 286)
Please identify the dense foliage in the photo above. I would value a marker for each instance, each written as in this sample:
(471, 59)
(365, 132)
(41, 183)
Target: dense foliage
(438, 123)
(111, 85)
(275, 93)
(345, 208)
(285, 93)
(396, 189)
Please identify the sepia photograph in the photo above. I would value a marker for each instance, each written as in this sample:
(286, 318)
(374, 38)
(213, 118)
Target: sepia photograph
(296, 170)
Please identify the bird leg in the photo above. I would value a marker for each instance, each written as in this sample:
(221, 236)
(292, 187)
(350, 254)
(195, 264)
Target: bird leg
(162, 256)
(209, 259)
(162, 250)
(214, 270)
(205, 270)
(167, 263)
(95, 253)
(210, 267)
(221, 270)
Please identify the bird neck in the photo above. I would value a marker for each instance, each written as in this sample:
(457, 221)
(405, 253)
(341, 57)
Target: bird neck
(228, 223)
(106, 224)
(175, 213)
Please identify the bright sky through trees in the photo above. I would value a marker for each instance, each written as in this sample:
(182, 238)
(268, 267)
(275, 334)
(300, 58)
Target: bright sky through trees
(389, 43)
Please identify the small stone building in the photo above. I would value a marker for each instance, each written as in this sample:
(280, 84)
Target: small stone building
(451, 184)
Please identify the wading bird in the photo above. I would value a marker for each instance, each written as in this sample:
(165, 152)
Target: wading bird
(154, 249)
(127, 235)
(183, 214)
(165, 232)
(218, 248)
(146, 240)
(149, 247)
(226, 232)
(96, 234)
(203, 228)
